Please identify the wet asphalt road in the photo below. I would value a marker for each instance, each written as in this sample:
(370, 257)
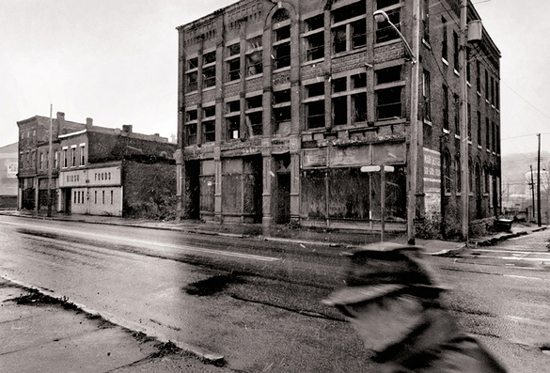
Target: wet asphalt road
(258, 303)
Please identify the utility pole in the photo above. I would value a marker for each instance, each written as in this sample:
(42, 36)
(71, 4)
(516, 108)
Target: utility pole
(532, 192)
(464, 122)
(539, 222)
(50, 165)
(414, 126)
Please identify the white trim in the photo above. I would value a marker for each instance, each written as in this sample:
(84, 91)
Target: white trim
(72, 134)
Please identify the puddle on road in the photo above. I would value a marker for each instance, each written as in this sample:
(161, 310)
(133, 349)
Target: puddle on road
(36, 233)
(212, 285)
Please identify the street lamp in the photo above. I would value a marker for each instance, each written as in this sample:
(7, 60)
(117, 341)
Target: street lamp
(380, 17)
(415, 128)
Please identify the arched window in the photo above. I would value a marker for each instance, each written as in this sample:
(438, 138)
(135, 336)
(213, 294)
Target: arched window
(281, 39)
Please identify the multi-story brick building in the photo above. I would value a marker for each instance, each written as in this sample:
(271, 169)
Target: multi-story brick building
(281, 103)
(34, 157)
(96, 170)
(8, 176)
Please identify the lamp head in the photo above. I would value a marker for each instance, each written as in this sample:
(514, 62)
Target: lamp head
(380, 16)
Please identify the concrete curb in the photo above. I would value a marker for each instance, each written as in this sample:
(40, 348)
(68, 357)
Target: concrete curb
(201, 353)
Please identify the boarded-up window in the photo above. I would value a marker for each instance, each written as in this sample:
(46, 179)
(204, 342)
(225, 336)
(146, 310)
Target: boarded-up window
(314, 194)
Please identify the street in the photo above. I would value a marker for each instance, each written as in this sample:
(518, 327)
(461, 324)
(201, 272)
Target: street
(257, 303)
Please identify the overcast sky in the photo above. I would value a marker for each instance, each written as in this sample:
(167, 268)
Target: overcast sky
(116, 62)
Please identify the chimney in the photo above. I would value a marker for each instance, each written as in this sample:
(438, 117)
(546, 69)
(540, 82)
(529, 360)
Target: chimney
(59, 123)
(60, 116)
(89, 122)
(127, 128)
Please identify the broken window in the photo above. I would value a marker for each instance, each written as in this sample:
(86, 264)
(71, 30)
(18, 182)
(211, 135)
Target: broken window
(359, 107)
(426, 95)
(254, 111)
(456, 101)
(254, 63)
(385, 31)
(315, 46)
(386, 3)
(209, 76)
(190, 115)
(444, 42)
(350, 31)
(455, 51)
(388, 104)
(234, 62)
(191, 132)
(426, 20)
(349, 103)
(209, 58)
(388, 75)
(315, 105)
(209, 131)
(445, 107)
(478, 128)
(340, 110)
(281, 111)
(281, 39)
(191, 81)
(192, 63)
(233, 119)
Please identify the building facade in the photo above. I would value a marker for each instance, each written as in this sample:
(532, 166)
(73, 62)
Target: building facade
(8, 176)
(95, 170)
(34, 158)
(284, 106)
(107, 171)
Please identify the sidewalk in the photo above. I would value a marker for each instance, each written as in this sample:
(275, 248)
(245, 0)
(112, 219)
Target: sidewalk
(329, 237)
(44, 334)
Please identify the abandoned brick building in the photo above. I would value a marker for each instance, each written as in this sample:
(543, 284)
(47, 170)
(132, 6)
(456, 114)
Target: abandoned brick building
(282, 103)
(96, 170)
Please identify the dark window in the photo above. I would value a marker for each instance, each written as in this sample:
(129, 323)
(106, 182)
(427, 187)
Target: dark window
(192, 82)
(340, 107)
(340, 85)
(191, 115)
(479, 128)
(444, 42)
(281, 56)
(426, 20)
(456, 100)
(386, 3)
(192, 63)
(359, 107)
(209, 131)
(388, 75)
(315, 46)
(455, 51)
(445, 107)
(486, 85)
(282, 114)
(254, 102)
(316, 89)
(316, 22)
(234, 67)
(339, 39)
(358, 34)
(389, 103)
(487, 134)
(234, 49)
(426, 95)
(209, 58)
(282, 33)
(315, 114)
(351, 11)
(209, 75)
(358, 81)
(255, 122)
(281, 96)
(191, 130)
(385, 31)
(209, 111)
(469, 113)
(234, 106)
(478, 77)
(233, 127)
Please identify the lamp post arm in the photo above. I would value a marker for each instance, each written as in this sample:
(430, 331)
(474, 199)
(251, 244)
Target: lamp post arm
(407, 46)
